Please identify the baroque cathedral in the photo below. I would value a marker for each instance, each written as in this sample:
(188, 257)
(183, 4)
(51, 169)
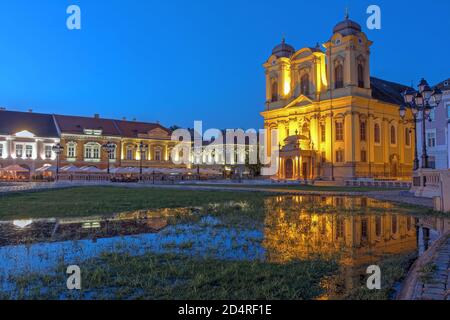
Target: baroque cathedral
(335, 121)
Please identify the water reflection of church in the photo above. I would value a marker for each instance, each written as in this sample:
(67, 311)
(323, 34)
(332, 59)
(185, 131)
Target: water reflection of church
(361, 239)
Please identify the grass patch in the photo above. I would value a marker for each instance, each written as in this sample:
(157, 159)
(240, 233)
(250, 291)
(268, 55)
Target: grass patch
(152, 276)
(393, 270)
(86, 201)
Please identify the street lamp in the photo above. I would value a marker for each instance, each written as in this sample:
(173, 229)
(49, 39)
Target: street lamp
(58, 149)
(110, 149)
(142, 150)
(423, 102)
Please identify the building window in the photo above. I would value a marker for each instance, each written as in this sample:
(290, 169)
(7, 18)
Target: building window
(360, 75)
(304, 84)
(363, 156)
(48, 152)
(378, 226)
(71, 150)
(323, 134)
(393, 135)
(113, 155)
(431, 139)
(339, 131)
(1, 150)
(130, 153)
(377, 133)
(28, 151)
(362, 131)
(19, 151)
(364, 229)
(275, 91)
(432, 162)
(407, 137)
(340, 228)
(158, 155)
(339, 76)
(340, 155)
(394, 224)
(448, 111)
(92, 151)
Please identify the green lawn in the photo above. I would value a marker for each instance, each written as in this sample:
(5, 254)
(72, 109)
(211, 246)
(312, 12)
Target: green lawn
(167, 276)
(86, 201)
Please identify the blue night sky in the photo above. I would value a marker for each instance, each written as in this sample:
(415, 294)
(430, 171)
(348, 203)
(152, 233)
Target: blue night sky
(185, 60)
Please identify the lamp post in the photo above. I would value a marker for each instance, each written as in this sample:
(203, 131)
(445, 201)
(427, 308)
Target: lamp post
(110, 148)
(422, 101)
(58, 149)
(142, 150)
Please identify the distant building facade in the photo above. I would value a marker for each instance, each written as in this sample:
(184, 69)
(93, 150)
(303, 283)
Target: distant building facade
(437, 131)
(27, 139)
(334, 120)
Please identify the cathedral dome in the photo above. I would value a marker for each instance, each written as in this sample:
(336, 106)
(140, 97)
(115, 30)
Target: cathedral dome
(283, 50)
(347, 27)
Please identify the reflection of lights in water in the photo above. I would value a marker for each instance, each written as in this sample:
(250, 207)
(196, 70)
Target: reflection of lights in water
(22, 223)
(91, 225)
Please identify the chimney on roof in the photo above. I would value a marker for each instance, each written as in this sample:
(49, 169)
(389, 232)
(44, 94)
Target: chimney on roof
(157, 121)
(96, 116)
(2, 108)
(124, 118)
(30, 110)
(134, 119)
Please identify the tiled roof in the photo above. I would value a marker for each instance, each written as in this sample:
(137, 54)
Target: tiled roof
(131, 129)
(387, 91)
(41, 125)
(77, 125)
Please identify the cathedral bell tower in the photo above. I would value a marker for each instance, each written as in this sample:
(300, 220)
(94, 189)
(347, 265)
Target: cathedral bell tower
(348, 60)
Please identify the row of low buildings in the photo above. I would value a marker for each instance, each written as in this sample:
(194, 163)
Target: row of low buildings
(27, 140)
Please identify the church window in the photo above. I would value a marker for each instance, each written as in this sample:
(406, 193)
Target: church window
(377, 133)
(407, 137)
(393, 135)
(362, 131)
(339, 131)
(360, 75)
(363, 156)
(340, 155)
(275, 91)
(323, 135)
(339, 76)
(304, 84)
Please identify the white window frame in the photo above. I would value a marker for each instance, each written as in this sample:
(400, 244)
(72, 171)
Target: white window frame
(48, 148)
(2, 150)
(428, 133)
(92, 152)
(19, 147)
(71, 150)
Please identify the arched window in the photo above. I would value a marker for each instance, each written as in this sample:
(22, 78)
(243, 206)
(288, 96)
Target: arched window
(304, 84)
(360, 75)
(377, 133)
(407, 137)
(275, 91)
(92, 151)
(393, 135)
(339, 76)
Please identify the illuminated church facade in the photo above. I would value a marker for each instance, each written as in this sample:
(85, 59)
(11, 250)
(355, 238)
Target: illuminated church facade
(335, 121)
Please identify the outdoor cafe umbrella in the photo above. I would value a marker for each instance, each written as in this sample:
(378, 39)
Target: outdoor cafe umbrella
(16, 169)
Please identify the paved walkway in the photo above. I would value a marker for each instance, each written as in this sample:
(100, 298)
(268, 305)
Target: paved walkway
(429, 277)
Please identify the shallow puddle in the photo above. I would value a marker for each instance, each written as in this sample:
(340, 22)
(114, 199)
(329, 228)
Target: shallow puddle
(360, 231)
